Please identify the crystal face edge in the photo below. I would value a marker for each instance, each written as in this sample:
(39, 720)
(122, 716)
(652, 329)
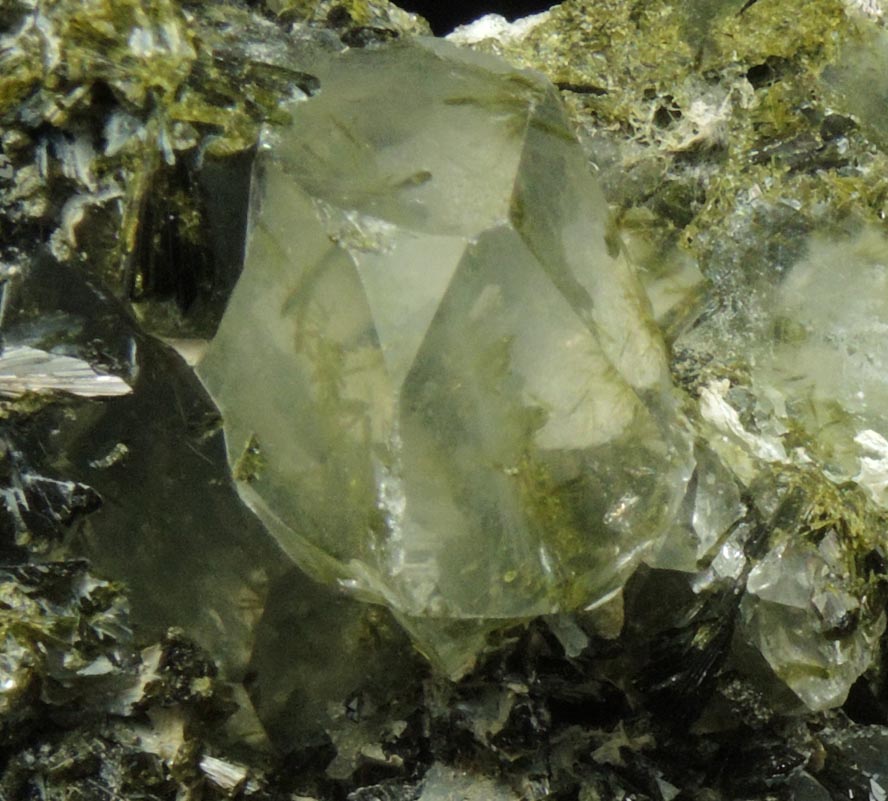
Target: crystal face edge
(454, 396)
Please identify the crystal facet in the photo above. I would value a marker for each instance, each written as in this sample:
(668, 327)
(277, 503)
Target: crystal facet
(440, 382)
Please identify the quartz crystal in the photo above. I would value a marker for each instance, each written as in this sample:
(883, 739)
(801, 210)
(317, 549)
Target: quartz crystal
(821, 375)
(826, 367)
(804, 612)
(811, 408)
(440, 382)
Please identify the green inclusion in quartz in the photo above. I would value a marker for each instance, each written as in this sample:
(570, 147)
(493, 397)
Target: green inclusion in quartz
(440, 382)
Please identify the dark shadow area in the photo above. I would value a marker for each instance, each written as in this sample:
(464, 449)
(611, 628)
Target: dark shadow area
(444, 17)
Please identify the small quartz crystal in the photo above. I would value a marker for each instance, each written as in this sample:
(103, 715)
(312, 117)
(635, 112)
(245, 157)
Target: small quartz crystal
(440, 381)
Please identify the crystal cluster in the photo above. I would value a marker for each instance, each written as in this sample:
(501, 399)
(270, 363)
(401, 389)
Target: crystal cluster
(817, 366)
(439, 379)
(440, 389)
(805, 414)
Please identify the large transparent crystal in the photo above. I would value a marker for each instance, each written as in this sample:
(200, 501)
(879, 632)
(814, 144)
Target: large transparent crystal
(440, 382)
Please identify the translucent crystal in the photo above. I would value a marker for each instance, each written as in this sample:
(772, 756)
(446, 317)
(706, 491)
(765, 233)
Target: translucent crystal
(700, 535)
(805, 612)
(829, 357)
(805, 410)
(440, 382)
(859, 79)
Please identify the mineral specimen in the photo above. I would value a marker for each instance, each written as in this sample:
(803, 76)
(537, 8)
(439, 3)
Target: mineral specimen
(439, 380)
(410, 372)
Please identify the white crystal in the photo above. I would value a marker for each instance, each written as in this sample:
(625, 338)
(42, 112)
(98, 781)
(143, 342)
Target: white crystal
(25, 369)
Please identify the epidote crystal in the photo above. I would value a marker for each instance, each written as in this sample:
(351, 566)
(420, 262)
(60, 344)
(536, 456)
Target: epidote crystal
(440, 382)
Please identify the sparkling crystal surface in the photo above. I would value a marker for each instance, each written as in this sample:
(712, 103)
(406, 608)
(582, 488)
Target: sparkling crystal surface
(811, 408)
(440, 382)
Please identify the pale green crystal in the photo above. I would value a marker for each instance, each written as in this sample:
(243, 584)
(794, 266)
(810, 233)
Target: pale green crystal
(440, 381)
(809, 406)
(803, 611)
(859, 80)
(814, 386)
(828, 356)
(818, 364)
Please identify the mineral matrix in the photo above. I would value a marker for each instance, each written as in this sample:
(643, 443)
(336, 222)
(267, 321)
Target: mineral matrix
(740, 148)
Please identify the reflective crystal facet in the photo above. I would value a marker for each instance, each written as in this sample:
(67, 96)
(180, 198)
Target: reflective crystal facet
(440, 382)
(804, 614)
